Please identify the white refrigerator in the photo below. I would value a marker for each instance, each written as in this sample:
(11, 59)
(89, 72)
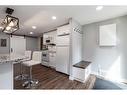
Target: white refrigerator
(62, 52)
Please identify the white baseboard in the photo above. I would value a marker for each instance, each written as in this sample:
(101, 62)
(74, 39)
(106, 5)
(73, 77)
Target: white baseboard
(123, 80)
(103, 73)
(99, 75)
(71, 78)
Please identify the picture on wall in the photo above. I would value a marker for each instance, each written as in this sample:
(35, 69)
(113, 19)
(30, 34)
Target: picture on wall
(107, 35)
(3, 42)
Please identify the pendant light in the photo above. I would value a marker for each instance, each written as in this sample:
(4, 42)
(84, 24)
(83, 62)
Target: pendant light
(10, 24)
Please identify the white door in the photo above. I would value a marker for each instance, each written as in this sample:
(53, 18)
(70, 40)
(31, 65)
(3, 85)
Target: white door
(17, 45)
(62, 59)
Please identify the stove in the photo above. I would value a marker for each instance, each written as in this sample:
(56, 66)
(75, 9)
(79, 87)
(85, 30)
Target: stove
(45, 58)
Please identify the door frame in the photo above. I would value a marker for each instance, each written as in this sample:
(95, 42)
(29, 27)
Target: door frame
(19, 37)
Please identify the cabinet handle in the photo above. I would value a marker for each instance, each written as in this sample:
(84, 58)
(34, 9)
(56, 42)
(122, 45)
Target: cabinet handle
(64, 34)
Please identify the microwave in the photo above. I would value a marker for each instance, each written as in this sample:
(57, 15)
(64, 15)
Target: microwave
(48, 41)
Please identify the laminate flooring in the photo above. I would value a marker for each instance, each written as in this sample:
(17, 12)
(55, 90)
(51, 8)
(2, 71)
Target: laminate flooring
(51, 79)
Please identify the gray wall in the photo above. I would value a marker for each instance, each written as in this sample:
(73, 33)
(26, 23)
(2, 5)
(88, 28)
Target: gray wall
(4, 50)
(32, 43)
(106, 58)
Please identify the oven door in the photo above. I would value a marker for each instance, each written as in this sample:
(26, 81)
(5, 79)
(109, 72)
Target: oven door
(45, 58)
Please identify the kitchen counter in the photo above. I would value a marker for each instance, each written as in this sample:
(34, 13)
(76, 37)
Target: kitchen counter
(4, 58)
(82, 64)
(6, 69)
(7, 58)
(52, 51)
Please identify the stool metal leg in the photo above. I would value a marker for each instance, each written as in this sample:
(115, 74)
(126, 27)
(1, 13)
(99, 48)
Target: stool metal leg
(30, 83)
(21, 76)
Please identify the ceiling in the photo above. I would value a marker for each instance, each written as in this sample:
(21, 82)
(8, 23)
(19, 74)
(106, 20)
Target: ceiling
(40, 16)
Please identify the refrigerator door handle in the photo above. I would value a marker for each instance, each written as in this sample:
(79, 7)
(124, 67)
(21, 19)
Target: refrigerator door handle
(63, 34)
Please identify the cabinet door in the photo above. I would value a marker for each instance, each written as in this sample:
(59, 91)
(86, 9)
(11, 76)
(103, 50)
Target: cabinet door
(87, 71)
(52, 60)
(62, 59)
(63, 40)
(63, 30)
(45, 63)
(79, 73)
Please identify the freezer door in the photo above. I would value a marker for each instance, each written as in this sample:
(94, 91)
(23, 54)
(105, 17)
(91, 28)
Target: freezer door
(62, 40)
(63, 30)
(62, 59)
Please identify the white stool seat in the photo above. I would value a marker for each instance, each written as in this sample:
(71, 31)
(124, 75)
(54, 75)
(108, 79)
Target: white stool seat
(31, 63)
(36, 59)
(28, 54)
(22, 76)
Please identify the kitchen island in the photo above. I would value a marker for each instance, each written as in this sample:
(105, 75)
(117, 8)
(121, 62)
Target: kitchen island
(6, 69)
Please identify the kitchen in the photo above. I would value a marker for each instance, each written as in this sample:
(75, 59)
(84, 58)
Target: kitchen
(54, 49)
(52, 42)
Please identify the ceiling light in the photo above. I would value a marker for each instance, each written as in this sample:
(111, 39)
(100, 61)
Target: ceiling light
(10, 24)
(8, 28)
(31, 32)
(34, 27)
(53, 17)
(98, 8)
(1, 27)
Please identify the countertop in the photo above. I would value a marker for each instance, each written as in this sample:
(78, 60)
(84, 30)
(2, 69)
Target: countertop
(4, 58)
(82, 64)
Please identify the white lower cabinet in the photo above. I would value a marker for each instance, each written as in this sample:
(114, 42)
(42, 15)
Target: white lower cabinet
(87, 72)
(45, 63)
(52, 61)
(81, 74)
(62, 59)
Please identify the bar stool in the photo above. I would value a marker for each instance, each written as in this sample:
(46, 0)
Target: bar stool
(22, 76)
(36, 59)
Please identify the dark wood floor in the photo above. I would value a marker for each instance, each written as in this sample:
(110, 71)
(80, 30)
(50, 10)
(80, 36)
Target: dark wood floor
(50, 79)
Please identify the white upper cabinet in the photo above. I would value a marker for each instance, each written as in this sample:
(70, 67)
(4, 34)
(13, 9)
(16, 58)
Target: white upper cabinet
(63, 37)
(63, 30)
(107, 35)
(49, 37)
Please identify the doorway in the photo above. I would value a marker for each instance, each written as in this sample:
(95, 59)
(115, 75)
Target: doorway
(17, 45)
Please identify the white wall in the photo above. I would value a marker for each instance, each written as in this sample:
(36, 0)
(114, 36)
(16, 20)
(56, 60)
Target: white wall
(112, 61)
(6, 76)
(75, 44)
